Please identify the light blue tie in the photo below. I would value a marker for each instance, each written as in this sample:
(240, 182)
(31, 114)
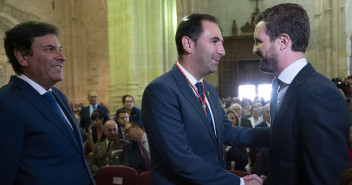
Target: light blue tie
(49, 96)
(273, 101)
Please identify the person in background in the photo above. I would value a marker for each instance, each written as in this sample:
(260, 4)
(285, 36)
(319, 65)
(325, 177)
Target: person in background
(39, 136)
(109, 151)
(133, 112)
(137, 153)
(86, 112)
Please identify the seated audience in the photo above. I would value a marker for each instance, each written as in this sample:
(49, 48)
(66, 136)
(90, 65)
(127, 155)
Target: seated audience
(86, 112)
(236, 158)
(109, 151)
(137, 152)
(256, 117)
(133, 112)
(122, 120)
(95, 131)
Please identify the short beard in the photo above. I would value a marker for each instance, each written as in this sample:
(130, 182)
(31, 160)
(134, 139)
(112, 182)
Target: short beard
(269, 63)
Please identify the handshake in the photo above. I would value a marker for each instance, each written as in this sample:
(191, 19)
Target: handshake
(252, 179)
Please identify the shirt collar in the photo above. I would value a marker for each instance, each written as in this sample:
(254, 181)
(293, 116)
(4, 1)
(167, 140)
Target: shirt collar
(34, 84)
(188, 75)
(288, 74)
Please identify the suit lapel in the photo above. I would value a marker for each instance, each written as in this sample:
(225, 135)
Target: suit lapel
(43, 106)
(75, 132)
(188, 93)
(289, 97)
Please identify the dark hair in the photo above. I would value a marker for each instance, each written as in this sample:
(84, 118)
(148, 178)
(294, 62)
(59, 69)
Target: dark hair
(191, 27)
(346, 178)
(122, 110)
(97, 114)
(287, 18)
(21, 38)
(233, 112)
(126, 96)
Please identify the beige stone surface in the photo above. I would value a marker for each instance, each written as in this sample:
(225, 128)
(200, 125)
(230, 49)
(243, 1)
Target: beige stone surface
(117, 47)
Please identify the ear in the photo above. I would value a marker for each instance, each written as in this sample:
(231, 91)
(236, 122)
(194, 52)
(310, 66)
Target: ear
(284, 40)
(21, 57)
(188, 44)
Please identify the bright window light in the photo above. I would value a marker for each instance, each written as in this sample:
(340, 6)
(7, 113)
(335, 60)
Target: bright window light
(246, 91)
(250, 91)
(264, 90)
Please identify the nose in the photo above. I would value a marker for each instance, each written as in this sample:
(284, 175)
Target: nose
(255, 49)
(61, 56)
(221, 50)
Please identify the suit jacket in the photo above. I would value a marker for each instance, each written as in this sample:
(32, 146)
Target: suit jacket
(103, 157)
(134, 158)
(239, 156)
(246, 123)
(37, 147)
(183, 147)
(309, 133)
(85, 116)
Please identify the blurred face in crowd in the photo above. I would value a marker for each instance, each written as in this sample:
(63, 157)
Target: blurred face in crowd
(92, 98)
(232, 118)
(110, 130)
(123, 119)
(237, 108)
(266, 114)
(131, 132)
(97, 122)
(129, 103)
(255, 112)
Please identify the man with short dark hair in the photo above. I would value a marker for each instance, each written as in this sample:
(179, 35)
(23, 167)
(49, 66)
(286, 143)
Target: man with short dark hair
(183, 117)
(309, 116)
(39, 136)
(121, 119)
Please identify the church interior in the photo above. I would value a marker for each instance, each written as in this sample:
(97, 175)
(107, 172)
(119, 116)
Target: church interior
(116, 47)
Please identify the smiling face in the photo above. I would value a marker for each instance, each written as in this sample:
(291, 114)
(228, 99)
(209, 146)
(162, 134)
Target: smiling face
(208, 50)
(45, 64)
(265, 49)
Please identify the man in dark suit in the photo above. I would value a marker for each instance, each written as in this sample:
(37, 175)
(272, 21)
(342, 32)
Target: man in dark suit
(40, 139)
(309, 118)
(184, 120)
(86, 112)
(135, 156)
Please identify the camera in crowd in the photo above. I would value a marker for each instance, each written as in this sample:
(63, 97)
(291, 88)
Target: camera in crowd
(344, 85)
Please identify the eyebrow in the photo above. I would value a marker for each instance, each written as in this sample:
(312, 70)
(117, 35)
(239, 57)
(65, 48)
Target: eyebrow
(217, 39)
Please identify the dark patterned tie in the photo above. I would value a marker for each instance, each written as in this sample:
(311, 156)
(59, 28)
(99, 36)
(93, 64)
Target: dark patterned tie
(49, 96)
(145, 155)
(200, 92)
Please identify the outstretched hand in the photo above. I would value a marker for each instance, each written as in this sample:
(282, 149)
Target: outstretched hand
(252, 179)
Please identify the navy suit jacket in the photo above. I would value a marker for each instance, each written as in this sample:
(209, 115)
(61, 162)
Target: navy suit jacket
(85, 116)
(310, 133)
(183, 147)
(36, 145)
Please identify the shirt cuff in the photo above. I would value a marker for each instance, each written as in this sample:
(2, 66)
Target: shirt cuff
(242, 181)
